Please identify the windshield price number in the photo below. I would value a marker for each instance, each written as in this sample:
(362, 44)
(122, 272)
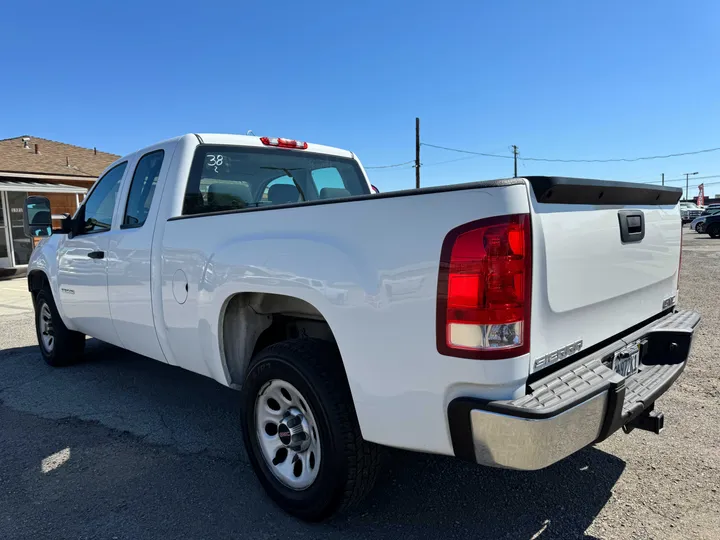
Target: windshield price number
(215, 161)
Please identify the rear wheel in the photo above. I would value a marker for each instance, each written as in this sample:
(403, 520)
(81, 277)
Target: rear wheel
(59, 345)
(301, 432)
(714, 230)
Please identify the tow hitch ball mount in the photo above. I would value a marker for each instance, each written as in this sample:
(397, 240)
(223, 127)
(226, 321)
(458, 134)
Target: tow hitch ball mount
(649, 420)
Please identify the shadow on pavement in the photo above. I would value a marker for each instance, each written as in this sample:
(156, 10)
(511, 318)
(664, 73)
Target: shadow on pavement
(156, 452)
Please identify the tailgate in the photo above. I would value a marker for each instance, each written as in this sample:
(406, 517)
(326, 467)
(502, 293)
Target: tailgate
(606, 258)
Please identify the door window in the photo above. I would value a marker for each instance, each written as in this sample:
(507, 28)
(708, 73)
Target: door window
(3, 238)
(97, 211)
(142, 189)
(22, 245)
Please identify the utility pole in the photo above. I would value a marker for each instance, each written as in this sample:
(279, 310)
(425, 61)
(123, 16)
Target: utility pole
(663, 179)
(417, 153)
(687, 183)
(515, 155)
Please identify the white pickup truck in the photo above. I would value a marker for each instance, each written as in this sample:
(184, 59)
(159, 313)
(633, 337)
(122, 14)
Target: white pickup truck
(509, 322)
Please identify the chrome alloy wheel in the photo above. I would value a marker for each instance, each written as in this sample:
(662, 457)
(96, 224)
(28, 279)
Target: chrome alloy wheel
(287, 433)
(47, 332)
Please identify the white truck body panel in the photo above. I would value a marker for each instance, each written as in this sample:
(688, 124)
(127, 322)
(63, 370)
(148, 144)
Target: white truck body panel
(587, 285)
(370, 267)
(383, 336)
(129, 266)
(82, 286)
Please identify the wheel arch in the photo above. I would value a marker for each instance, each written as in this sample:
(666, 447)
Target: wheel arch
(37, 280)
(251, 321)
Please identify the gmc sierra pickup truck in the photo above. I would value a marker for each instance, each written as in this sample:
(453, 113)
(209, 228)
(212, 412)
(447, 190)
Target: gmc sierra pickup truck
(509, 323)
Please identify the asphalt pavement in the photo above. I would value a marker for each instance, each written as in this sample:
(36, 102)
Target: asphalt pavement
(122, 447)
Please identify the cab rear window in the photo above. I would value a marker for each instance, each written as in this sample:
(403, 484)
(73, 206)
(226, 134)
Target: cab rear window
(232, 178)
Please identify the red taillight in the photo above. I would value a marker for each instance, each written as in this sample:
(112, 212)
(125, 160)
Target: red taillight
(484, 288)
(284, 143)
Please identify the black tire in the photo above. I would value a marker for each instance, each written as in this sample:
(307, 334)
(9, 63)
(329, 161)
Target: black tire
(349, 464)
(67, 345)
(714, 230)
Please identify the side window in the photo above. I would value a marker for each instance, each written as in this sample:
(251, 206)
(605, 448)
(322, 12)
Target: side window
(97, 211)
(329, 183)
(142, 189)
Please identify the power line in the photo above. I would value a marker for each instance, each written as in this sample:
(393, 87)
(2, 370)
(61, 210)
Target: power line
(406, 168)
(392, 166)
(615, 160)
(705, 184)
(466, 151)
(412, 162)
(447, 161)
(683, 179)
(553, 160)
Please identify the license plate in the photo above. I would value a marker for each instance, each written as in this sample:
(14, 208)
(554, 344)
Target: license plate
(626, 362)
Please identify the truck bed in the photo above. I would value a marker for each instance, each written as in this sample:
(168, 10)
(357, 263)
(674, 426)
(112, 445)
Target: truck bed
(379, 255)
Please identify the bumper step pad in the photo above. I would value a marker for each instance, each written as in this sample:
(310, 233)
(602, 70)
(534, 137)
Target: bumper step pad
(595, 375)
(641, 390)
(567, 387)
(679, 320)
(669, 342)
(577, 381)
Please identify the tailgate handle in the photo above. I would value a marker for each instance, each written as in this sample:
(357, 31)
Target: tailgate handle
(632, 225)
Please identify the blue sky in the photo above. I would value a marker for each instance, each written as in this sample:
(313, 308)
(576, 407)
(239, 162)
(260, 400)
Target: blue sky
(560, 79)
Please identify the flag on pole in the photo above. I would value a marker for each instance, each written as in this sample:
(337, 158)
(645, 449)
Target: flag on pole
(701, 195)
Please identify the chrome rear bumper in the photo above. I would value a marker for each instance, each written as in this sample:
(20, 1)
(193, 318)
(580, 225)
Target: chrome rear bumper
(581, 403)
(526, 443)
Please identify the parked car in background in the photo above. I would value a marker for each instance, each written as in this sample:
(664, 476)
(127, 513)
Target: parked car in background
(698, 224)
(689, 211)
(712, 225)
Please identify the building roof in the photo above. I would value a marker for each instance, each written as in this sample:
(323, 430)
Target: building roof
(43, 187)
(53, 158)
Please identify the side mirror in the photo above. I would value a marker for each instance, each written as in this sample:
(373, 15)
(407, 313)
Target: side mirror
(37, 217)
(374, 189)
(66, 224)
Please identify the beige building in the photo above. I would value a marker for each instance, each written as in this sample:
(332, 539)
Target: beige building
(32, 166)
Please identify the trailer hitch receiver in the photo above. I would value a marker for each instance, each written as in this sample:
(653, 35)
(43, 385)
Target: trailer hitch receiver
(649, 420)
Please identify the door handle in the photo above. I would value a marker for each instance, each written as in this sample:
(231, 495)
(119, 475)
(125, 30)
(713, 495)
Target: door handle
(96, 254)
(632, 225)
